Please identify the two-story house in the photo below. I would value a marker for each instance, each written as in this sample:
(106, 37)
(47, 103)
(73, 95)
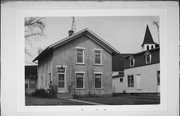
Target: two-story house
(142, 70)
(80, 64)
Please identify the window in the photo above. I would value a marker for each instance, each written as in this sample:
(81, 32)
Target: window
(148, 58)
(79, 80)
(61, 77)
(80, 55)
(26, 83)
(121, 80)
(152, 46)
(98, 80)
(147, 47)
(32, 83)
(158, 77)
(130, 80)
(98, 57)
(132, 62)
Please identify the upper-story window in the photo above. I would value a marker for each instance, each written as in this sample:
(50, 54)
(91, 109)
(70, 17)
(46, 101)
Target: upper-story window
(80, 55)
(132, 61)
(148, 58)
(98, 57)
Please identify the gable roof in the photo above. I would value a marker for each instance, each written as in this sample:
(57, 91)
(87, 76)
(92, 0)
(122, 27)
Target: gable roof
(148, 37)
(94, 37)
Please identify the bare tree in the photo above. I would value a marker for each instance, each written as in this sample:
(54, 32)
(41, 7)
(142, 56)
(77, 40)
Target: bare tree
(34, 26)
(34, 29)
(156, 23)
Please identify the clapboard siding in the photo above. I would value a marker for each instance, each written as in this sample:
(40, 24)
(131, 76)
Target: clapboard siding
(148, 78)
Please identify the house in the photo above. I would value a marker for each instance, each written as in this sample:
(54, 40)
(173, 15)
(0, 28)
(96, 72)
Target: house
(118, 73)
(80, 64)
(30, 78)
(138, 72)
(142, 70)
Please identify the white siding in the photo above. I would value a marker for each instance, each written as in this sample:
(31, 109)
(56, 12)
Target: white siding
(148, 79)
(118, 87)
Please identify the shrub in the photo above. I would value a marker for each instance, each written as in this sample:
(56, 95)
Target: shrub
(49, 93)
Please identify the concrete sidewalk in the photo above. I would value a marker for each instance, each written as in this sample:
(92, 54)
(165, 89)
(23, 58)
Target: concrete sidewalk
(87, 102)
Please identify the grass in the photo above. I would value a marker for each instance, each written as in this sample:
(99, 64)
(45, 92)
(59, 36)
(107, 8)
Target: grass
(124, 100)
(119, 100)
(35, 101)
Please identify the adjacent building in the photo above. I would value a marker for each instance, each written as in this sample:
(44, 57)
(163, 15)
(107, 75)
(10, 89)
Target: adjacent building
(141, 70)
(30, 78)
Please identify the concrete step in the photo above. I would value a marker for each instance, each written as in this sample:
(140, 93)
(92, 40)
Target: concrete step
(64, 95)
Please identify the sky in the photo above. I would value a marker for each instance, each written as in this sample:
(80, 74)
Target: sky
(125, 33)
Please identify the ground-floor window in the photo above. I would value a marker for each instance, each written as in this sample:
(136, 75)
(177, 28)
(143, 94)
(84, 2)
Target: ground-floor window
(98, 83)
(158, 77)
(79, 80)
(30, 83)
(130, 80)
(26, 83)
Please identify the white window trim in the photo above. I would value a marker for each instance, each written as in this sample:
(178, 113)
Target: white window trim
(81, 72)
(80, 48)
(101, 53)
(101, 79)
(130, 61)
(133, 79)
(146, 58)
(64, 76)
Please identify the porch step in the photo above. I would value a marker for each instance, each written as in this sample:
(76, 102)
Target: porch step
(64, 95)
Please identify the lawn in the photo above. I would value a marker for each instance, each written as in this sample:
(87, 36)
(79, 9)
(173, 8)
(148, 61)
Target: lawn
(124, 100)
(119, 100)
(35, 101)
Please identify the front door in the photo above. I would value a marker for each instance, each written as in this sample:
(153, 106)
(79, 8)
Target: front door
(61, 80)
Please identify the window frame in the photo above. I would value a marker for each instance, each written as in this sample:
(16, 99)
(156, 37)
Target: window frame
(158, 78)
(80, 72)
(130, 84)
(101, 53)
(150, 58)
(80, 48)
(131, 58)
(99, 73)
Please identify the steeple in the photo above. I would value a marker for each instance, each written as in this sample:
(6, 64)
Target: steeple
(73, 27)
(148, 42)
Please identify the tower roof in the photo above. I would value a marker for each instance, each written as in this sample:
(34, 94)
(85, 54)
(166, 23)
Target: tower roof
(148, 37)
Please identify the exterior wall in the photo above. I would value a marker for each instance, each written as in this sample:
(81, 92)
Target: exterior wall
(148, 79)
(118, 87)
(66, 55)
(44, 68)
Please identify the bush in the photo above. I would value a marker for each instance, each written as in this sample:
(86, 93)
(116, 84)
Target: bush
(39, 93)
(49, 93)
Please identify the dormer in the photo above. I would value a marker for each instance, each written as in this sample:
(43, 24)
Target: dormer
(131, 61)
(148, 57)
(148, 42)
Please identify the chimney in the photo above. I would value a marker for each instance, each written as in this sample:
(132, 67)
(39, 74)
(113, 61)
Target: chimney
(71, 32)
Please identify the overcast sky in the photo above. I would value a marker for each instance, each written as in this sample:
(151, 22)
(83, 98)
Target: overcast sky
(126, 34)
